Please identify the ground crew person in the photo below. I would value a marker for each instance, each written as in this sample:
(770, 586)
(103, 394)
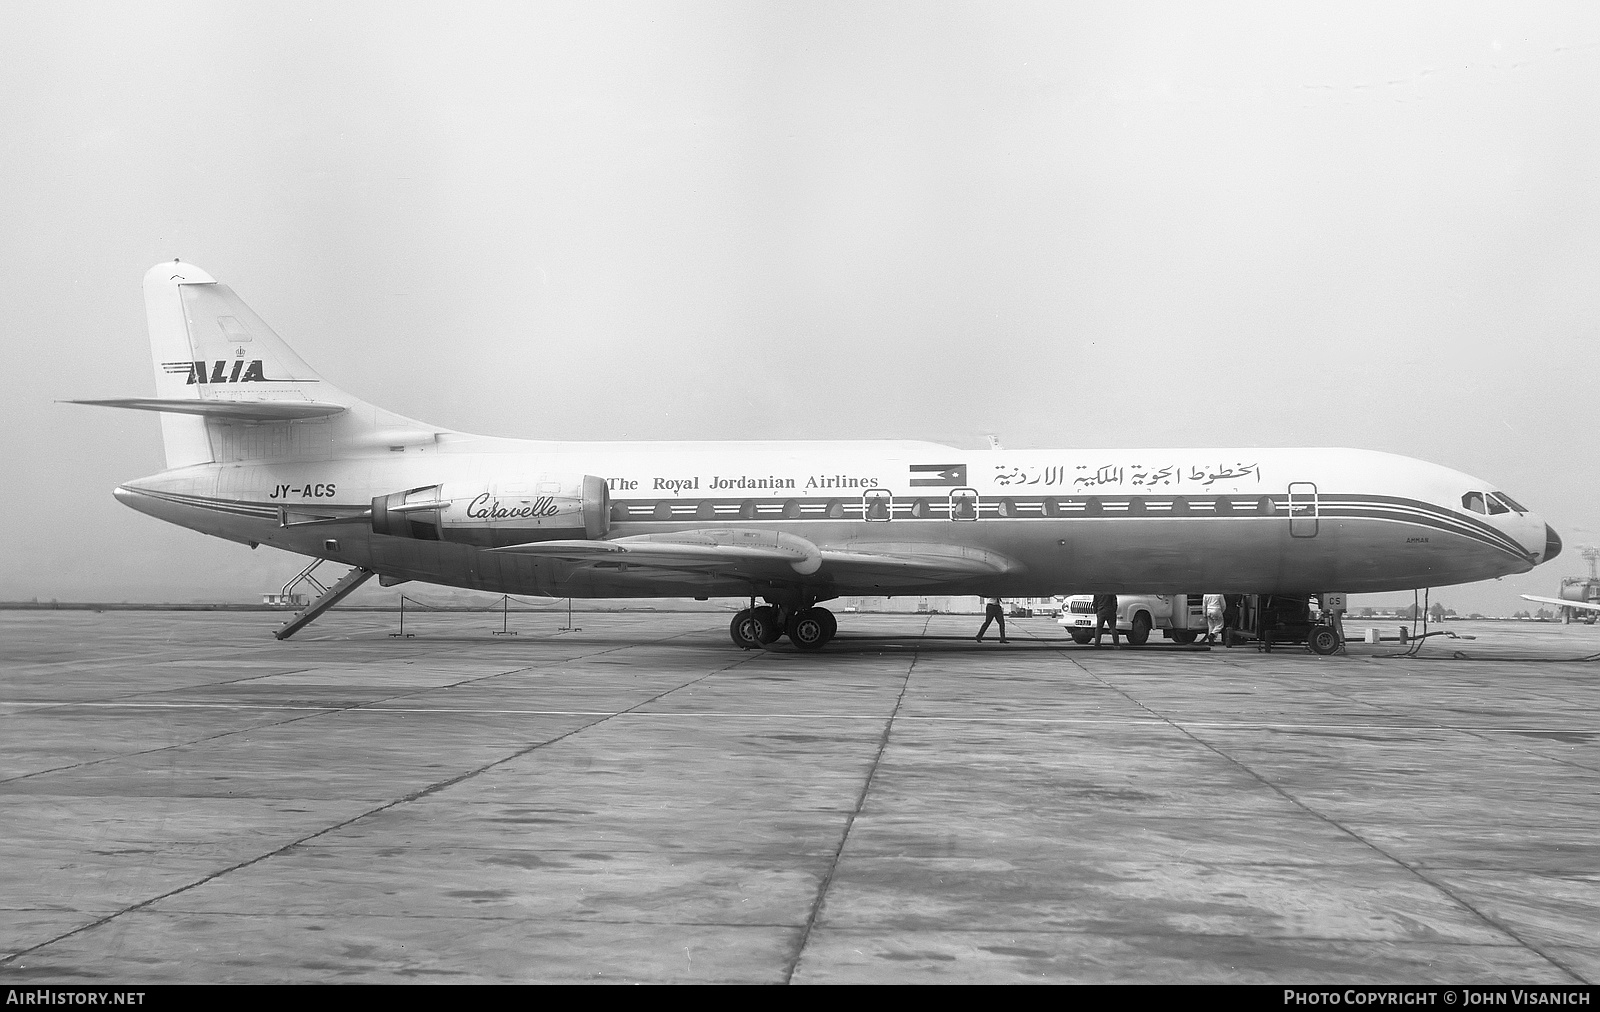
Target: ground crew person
(1105, 614)
(1214, 612)
(993, 612)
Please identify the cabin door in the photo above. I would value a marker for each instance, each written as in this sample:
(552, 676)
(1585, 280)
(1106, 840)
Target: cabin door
(1302, 509)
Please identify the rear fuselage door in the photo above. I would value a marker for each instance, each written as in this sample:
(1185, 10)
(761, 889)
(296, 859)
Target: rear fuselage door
(1302, 509)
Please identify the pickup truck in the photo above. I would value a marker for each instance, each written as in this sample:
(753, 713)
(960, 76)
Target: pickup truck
(1180, 617)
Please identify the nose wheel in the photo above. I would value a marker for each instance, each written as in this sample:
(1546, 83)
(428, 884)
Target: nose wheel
(1323, 639)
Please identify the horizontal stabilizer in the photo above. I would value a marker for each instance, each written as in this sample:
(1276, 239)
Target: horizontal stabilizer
(235, 410)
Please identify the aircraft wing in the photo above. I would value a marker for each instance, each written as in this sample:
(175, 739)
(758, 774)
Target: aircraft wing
(775, 555)
(1565, 604)
(236, 410)
(923, 562)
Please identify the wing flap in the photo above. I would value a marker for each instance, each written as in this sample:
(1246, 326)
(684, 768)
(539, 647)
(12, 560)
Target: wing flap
(932, 561)
(763, 554)
(232, 410)
(776, 555)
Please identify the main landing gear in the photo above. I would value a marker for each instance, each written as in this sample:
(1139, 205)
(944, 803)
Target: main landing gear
(807, 628)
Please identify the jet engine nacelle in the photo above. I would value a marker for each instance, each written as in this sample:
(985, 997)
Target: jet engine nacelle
(1576, 588)
(492, 514)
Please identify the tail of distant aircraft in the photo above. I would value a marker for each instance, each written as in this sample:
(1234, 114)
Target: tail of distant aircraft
(229, 388)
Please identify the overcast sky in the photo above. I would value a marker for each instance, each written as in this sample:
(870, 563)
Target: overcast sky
(1096, 225)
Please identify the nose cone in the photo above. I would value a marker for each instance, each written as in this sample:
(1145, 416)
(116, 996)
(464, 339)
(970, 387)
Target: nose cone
(1552, 543)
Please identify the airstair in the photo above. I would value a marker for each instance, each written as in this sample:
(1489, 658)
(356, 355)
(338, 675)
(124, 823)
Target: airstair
(327, 596)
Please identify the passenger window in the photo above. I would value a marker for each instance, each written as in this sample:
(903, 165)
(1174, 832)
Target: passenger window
(1474, 502)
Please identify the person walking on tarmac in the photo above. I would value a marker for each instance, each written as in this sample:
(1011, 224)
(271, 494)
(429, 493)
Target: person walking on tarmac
(1214, 611)
(1105, 614)
(993, 612)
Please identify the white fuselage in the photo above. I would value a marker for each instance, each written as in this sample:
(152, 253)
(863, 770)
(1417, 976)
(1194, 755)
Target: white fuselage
(1045, 521)
(263, 450)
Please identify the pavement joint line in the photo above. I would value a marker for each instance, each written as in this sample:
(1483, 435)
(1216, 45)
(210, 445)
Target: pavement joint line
(416, 795)
(1419, 873)
(1504, 885)
(165, 652)
(164, 748)
(312, 711)
(115, 698)
(1482, 733)
(850, 821)
(763, 715)
(875, 929)
(1341, 827)
(510, 918)
(112, 699)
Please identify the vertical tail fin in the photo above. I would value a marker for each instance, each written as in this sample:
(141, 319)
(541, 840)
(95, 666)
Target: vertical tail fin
(244, 384)
(183, 435)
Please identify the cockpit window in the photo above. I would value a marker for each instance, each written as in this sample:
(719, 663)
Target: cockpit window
(1510, 502)
(1496, 506)
(1474, 502)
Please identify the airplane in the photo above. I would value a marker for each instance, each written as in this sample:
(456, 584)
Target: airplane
(262, 450)
(1562, 603)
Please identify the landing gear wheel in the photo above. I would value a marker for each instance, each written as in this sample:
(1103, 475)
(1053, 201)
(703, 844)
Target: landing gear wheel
(1323, 640)
(768, 626)
(744, 631)
(1184, 637)
(809, 630)
(1140, 631)
(1082, 637)
(828, 619)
